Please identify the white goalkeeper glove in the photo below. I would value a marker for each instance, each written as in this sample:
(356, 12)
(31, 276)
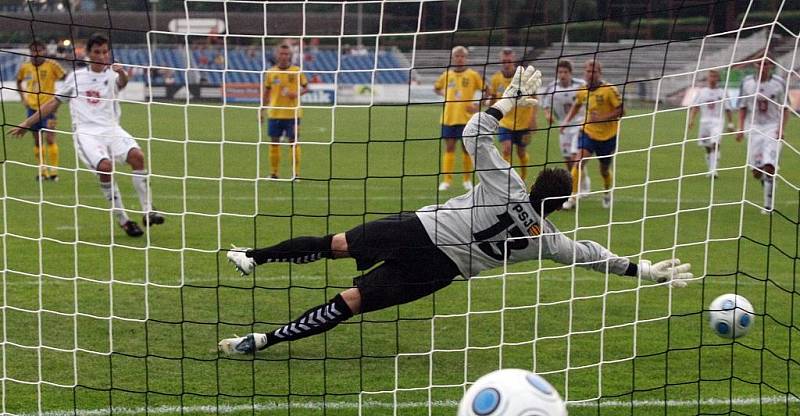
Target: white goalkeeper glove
(666, 271)
(520, 91)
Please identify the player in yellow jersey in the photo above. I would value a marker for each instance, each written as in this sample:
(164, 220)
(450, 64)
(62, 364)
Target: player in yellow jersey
(599, 131)
(39, 76)
(518, 125)
(458, 87)
(283, 86)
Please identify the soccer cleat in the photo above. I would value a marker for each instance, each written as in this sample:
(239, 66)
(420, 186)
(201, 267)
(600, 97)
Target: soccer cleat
(132, 229)
(273, 176)
(444, 186)
(247, 344)
(467, 185)
(238, 257)
(152, 218)
(42, 177)
(569, 204)
(607, 200)
(52, 178)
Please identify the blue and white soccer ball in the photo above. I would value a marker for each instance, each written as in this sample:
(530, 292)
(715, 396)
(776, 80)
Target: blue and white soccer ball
(731, 316)
(511, 392)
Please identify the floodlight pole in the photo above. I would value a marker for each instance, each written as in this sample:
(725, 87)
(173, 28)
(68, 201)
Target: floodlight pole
(360, 23)
(564, 16)
(154, 8)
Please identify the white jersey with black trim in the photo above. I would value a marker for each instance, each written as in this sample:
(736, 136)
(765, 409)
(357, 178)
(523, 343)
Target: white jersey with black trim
(559, 99)
(712, 105)
(765, 97)
(495, 221)
(92, 98)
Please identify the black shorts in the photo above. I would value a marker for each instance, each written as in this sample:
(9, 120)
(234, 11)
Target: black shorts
(413, 267)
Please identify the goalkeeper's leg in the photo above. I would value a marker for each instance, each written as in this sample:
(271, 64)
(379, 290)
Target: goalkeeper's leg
(297, 250)
(390, 284)
(369, 243)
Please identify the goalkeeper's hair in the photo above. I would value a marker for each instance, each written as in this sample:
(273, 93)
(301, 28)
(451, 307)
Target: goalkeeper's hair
(565, 63)
(550, 190)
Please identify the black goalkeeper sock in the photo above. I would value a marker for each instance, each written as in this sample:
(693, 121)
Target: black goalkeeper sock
(313, 321)
(297, 250)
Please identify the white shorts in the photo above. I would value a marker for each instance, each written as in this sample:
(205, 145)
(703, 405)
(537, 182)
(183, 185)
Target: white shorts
(710, 134)
(95, 144)
(568, 140)
(763, 147)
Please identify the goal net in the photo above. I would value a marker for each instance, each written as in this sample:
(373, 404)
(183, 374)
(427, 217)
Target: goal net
(95, 322)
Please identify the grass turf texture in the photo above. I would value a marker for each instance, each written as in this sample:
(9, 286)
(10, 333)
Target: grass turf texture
(139, 326)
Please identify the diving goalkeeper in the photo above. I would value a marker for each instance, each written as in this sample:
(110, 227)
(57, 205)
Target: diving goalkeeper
(424, 251)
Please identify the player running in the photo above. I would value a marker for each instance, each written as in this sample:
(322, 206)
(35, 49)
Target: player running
(560, 96)
(599, 132)
(710, 104)
(763, 115)
(40, 75)
(283, 86)
(458, 87)
(100, 141)
(424, 251)
(516, 128)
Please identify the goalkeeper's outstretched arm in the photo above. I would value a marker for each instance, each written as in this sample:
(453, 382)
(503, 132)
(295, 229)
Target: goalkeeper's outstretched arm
(592, 255)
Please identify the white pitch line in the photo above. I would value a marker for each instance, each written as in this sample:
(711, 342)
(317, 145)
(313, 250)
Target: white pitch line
(407, 195)
(373, 404)
(297, 278)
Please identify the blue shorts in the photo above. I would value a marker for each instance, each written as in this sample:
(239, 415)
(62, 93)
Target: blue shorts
(453, 132)
(43, 123)
(277, 127)
(516, 136)
(604, 149)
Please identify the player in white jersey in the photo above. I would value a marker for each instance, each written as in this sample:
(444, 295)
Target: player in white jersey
(763, 114)
(100, 141)
(558, 100)
(424, 251)
(710, 103)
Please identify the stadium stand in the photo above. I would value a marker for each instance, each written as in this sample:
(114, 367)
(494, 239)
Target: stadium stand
(244, 67)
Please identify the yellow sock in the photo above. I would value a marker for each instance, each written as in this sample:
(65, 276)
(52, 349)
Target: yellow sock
(575, 179)
(523, 161)
(296, 152)
(38, 155)
(507, 157)
(275, 158)
(607, 179)
(448, 163)
(52, 158)
(467, 167)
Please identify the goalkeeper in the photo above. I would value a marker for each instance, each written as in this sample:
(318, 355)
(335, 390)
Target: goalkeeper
(424, 251)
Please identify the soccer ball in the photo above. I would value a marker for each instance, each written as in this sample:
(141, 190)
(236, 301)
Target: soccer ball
(731, 316)
(512, 392)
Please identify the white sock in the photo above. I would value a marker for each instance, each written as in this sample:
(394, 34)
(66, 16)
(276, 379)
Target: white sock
(113, 196)
(586, 182)
(712, 159)
(140, 184)
(769, 185)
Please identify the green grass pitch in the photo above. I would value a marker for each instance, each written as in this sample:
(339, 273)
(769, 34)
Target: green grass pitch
(134, 322)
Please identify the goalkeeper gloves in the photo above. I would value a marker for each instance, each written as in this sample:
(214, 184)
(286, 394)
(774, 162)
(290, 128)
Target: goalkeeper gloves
(521, 90)
(666, 271)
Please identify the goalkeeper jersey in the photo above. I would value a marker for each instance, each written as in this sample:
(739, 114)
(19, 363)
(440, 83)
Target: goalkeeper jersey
(495, 221)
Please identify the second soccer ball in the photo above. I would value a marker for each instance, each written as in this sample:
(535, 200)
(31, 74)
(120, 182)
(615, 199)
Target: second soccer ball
(731, 315)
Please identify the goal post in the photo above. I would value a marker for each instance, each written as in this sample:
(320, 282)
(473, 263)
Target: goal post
(95, 322)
